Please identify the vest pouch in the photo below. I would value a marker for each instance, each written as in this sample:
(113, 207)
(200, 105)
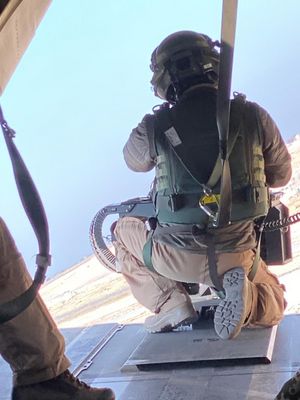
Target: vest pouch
(176, 202)
(180, 209)
(255, 203)
(257, 194)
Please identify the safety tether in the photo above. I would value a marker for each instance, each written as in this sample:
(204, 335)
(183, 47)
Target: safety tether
(35, 211)
(229, 14)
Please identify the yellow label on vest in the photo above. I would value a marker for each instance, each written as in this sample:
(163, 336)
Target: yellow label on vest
(209, 199)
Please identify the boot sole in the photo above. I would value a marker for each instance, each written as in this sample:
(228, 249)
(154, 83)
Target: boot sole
(230, 313)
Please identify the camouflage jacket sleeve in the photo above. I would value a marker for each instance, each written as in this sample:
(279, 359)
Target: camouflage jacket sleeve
(277, 158)
(137, 149)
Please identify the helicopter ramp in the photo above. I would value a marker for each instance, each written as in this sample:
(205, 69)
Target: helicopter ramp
(188, 364)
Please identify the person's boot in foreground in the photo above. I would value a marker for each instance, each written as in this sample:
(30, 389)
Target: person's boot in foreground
(291, 389)
(63, 387)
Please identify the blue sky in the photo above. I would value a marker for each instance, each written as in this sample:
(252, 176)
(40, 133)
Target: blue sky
(83, 84)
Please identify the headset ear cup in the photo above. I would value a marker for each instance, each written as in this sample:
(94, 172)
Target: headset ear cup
(162, 84)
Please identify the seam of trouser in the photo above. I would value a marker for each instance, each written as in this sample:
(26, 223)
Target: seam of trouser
(30, 377)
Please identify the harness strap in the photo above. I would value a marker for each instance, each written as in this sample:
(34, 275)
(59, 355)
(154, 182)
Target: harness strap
(149, 121)
(212, 264)
(229, 15)
(239, 101)
(147, 252)
(255, 264)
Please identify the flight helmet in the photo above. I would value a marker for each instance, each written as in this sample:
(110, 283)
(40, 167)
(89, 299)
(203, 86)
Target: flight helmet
(183, 59)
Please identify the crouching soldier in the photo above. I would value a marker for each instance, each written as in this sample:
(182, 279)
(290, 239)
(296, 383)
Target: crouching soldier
(180, 140)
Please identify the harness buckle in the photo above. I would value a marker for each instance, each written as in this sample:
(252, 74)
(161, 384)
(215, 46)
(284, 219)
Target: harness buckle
(151, 224)
(209, 203)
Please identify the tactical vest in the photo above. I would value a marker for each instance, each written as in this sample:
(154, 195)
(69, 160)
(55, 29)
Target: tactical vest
(179, 187)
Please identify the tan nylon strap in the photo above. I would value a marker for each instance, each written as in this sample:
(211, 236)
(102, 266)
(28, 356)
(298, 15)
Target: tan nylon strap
(256, 259)
(217, 171)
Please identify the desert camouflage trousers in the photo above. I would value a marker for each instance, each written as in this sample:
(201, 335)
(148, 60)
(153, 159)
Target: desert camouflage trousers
(153, 289)
(31, 343)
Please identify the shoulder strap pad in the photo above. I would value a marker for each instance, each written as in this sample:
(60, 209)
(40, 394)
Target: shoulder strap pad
(241, 97)
(150, 125)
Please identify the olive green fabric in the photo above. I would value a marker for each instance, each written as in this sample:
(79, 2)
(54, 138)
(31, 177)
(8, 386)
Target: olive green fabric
(238, 236)
(147, 253)
(187, 154)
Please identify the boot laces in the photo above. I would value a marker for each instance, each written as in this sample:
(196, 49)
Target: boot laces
(68, 375)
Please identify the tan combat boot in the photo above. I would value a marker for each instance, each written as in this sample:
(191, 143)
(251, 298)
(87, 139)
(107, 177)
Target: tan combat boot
(177, 310)
(63, 387)
(234, 310)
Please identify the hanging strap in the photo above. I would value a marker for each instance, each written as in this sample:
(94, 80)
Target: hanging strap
(35, 211)
(229, 14)
(147, 252)
(217, 171)
(149, 121)
(256, 260)
(213, 266)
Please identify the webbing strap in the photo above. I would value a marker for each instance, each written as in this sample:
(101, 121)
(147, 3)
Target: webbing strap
(147, 253)
(217, 171)
(35, 211)
(149, 121)
(212, 264)
(256, 260)
(14, 307)
(229, 13)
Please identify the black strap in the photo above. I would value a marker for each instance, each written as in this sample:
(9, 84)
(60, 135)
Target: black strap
(229, 14)
(212, 264)
(147, 252)
(256, 260)
(149, 121)
(35, 211)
